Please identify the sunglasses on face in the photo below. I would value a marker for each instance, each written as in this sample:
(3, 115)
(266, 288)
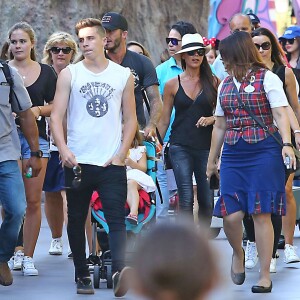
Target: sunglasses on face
(200, 52)
(56, 50)
(264, 46)
(77, 179)
(287, 41)
(173, 41)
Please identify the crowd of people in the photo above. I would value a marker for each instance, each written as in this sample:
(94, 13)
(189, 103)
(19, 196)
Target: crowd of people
(70, 126)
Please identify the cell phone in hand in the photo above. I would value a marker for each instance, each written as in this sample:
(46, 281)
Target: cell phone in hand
(214, 182)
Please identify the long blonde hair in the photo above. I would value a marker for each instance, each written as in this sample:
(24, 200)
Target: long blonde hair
(55, 38)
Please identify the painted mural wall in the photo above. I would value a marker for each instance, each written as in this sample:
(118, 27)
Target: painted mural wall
(273, 14)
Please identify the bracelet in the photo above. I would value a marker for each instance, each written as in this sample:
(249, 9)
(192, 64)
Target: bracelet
(40, 110)
(287, 145)
(296, 131)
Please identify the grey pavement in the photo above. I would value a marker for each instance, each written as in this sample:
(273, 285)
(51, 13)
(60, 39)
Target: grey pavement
(56, 273)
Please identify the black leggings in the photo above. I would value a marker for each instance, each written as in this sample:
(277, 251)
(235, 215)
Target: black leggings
(111, 184)
(277, 226)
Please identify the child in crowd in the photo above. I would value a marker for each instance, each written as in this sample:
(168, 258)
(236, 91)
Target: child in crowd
(175, 272)
(136, 164)
(213, 53)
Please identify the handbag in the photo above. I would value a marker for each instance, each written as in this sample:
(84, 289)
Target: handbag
(167, 160)
(266, 129)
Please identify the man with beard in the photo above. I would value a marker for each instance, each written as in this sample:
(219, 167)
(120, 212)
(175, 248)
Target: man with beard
(145, 79)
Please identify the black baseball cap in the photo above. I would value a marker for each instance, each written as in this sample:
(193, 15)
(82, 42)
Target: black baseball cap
(254, 18)
(113, 21)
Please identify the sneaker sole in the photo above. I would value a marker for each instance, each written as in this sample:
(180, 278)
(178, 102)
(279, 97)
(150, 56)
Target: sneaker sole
(55, 253)
(85, 292)
(36, 274)
(121, 290)
(292, 261)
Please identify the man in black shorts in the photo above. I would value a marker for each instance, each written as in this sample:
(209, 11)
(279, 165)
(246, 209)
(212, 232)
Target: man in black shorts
(141, 67)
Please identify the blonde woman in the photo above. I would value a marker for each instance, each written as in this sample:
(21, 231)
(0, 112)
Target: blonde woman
(60, 50)
(40, 81)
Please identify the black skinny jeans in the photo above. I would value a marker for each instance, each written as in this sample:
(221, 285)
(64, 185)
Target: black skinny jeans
(111, 184)
(185, 161)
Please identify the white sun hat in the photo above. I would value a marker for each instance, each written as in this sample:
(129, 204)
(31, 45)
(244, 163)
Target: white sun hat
(192, 41)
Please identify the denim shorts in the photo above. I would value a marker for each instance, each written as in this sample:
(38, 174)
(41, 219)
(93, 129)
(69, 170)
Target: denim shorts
(25, 149)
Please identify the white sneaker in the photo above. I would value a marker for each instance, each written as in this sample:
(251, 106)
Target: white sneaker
(18, 259)
(15, 262)
(11, 263)
(273, 265)
(56, 247)
(251, 256)
(28, 267)
(290, 254)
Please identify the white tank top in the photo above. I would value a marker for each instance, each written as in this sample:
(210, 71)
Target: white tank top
(94, 118)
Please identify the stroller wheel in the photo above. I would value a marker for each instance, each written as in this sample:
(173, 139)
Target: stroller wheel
(96, 276)
(109, 282)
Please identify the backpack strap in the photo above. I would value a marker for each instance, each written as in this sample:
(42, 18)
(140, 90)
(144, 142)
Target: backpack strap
(8, 77)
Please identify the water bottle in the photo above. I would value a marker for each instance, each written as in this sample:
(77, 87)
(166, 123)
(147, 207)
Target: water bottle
(29, 173)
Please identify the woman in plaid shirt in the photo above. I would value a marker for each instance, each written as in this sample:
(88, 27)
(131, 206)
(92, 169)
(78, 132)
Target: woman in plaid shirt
(252, 165)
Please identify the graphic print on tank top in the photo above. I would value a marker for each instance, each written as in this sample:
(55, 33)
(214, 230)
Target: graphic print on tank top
(97, 95)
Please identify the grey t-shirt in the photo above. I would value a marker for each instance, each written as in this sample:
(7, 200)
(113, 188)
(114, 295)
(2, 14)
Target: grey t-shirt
(9, 141)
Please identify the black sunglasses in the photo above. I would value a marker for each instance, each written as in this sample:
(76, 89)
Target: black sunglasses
(200, 52)
(285, 41)
(264, 46)
(77, 179)
(56, 50)
(173, 41)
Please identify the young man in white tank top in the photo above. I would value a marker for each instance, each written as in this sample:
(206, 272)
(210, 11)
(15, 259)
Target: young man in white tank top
(97, 95)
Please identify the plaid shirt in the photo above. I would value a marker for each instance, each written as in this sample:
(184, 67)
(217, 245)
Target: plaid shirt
(238, 122)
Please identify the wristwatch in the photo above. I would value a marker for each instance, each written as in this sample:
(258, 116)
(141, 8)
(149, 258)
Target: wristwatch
(38, 154)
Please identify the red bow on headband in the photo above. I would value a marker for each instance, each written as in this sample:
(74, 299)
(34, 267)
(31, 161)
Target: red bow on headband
(213, 42)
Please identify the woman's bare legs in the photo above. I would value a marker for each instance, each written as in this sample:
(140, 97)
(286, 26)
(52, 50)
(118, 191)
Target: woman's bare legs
(264, 236)
(234, 231)
(289, 220)
(54, 213)
(32, 223)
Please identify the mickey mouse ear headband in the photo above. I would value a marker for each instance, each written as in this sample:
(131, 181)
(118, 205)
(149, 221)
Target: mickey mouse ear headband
(214, 42)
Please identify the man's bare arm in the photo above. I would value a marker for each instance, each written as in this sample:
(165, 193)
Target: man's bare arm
(155, 109)
(60, 104)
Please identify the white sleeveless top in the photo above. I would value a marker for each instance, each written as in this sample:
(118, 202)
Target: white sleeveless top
(94, 116)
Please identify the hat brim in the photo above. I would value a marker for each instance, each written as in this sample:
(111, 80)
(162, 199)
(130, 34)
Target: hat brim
(207, 49)
(288, 36)
(109, 27)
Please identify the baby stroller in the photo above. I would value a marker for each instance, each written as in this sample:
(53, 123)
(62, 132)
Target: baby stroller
(146, 213)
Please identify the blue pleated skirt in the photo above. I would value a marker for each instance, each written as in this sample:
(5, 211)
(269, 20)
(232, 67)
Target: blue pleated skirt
(252, 179)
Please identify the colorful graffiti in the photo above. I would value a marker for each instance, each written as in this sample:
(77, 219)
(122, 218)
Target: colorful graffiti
(222, 10)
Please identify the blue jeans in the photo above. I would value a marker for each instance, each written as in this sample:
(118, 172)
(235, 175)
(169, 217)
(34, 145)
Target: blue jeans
(162, 208)
(185, 161)
(13, 200)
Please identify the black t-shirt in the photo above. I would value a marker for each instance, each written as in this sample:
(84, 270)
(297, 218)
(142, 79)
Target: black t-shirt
(41, 91)
(144, 75)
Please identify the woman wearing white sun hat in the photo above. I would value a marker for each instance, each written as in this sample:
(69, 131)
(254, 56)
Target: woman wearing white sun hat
(193, 94)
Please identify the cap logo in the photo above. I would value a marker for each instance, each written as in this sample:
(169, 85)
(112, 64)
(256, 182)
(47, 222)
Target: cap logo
(288, 32)
(106, 19)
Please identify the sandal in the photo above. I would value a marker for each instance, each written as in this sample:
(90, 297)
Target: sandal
(132, 219)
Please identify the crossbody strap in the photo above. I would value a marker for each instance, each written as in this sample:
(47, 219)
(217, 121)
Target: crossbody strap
(254, 117)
